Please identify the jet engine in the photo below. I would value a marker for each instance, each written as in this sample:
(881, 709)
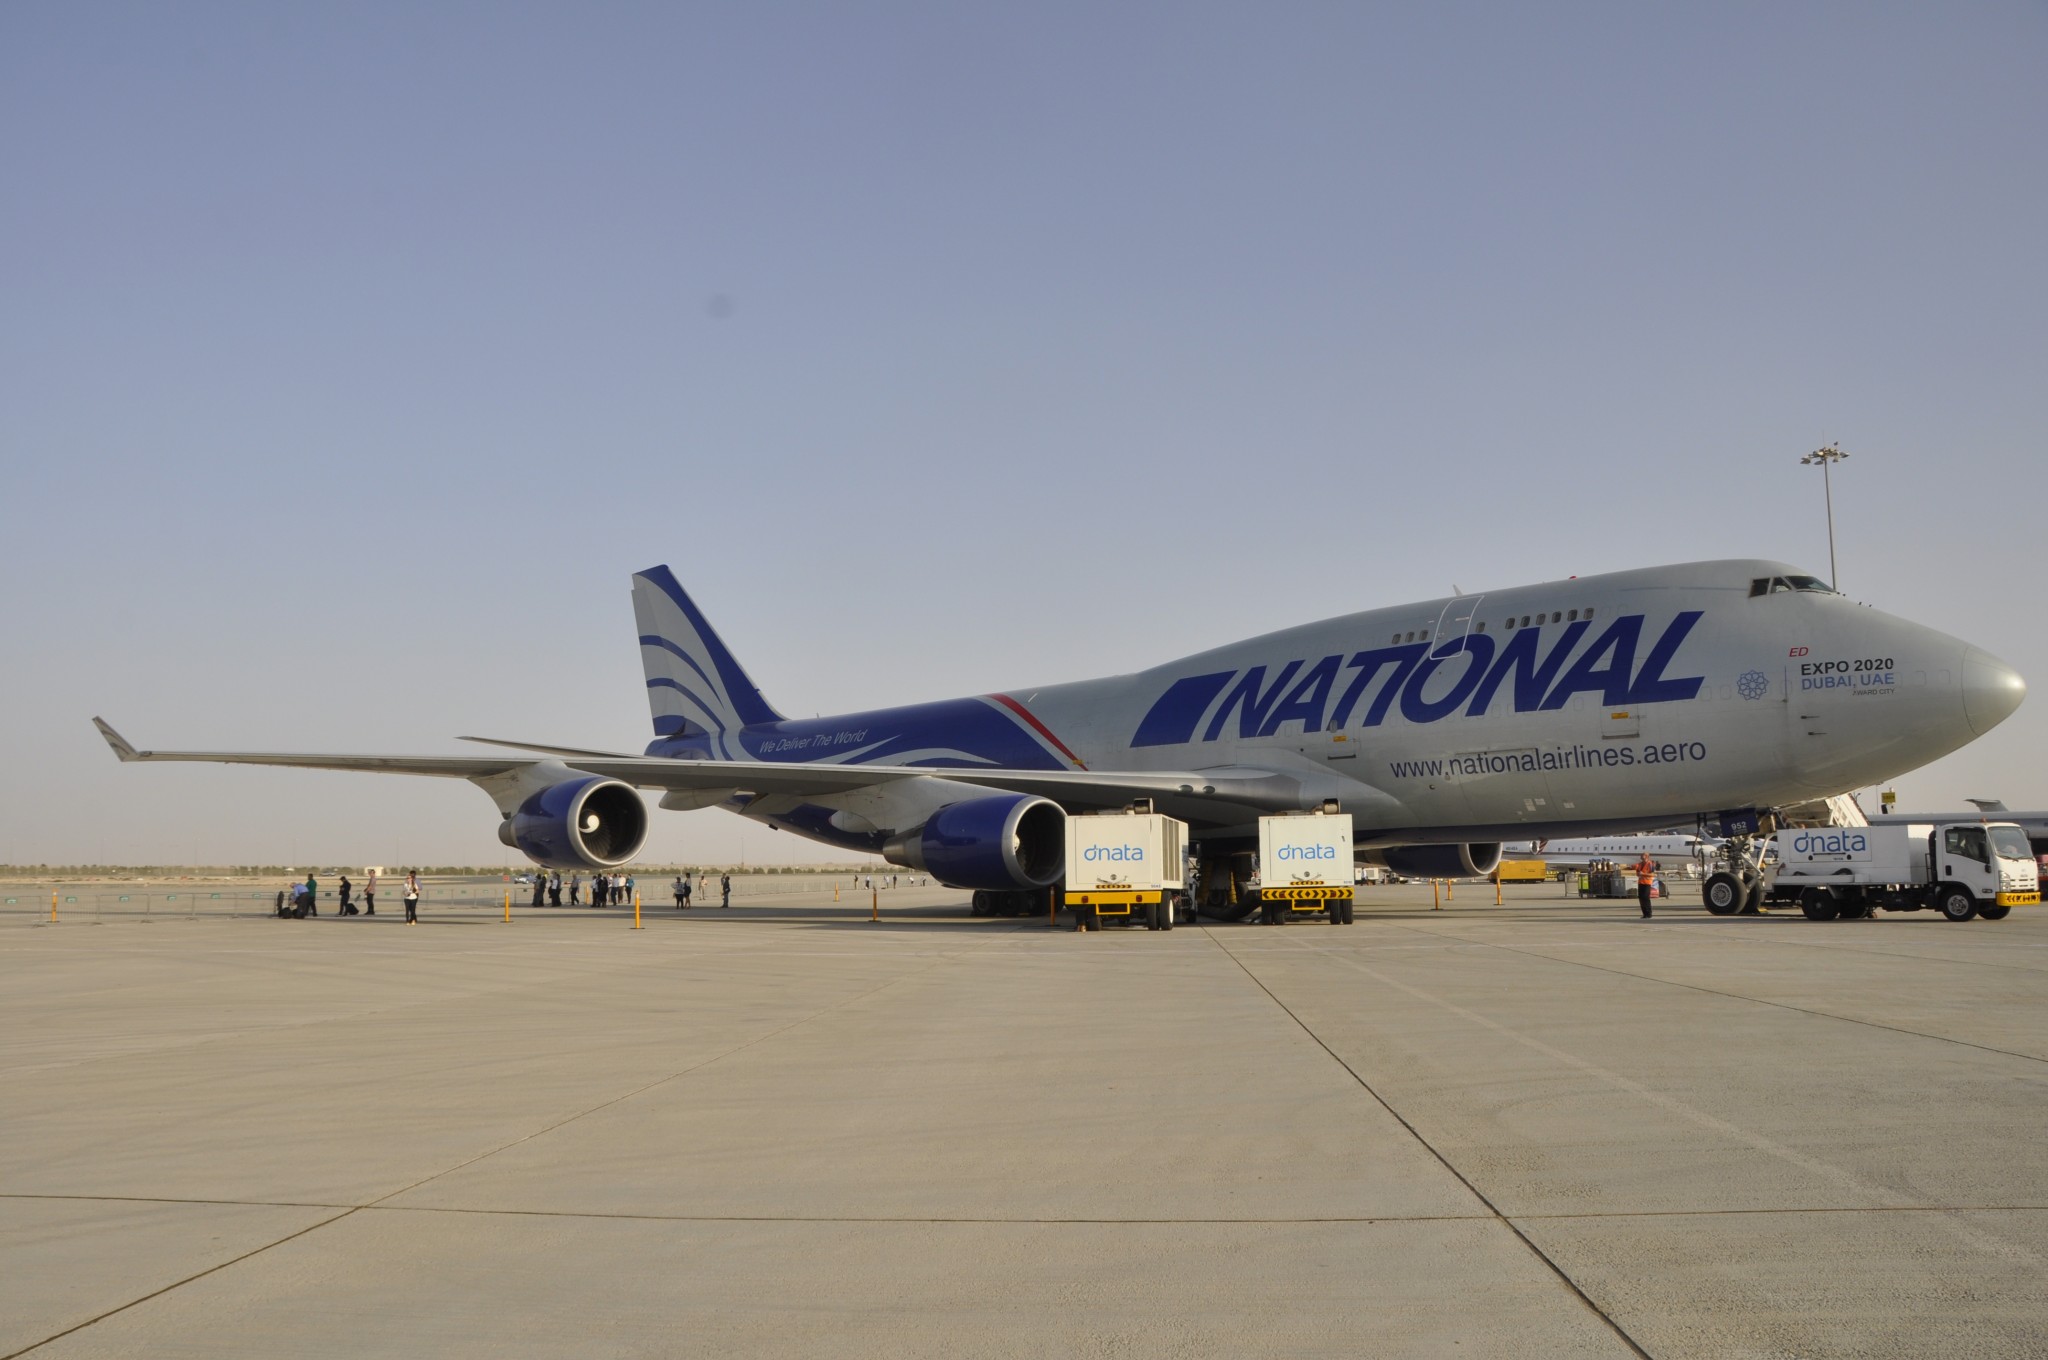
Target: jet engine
(1007, 841)
(579, 824)
(1442, 861)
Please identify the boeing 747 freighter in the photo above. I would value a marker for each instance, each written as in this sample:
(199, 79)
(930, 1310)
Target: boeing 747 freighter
(1629, 701)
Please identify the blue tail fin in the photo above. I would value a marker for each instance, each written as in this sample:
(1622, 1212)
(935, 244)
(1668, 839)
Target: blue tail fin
(693, 682)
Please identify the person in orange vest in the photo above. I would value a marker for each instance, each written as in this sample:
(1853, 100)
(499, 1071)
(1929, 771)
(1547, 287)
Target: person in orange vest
(1646, 878)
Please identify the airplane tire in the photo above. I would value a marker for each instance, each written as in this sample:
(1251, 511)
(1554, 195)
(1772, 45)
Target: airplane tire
(1957, 902)
(1753, 903)
(1228, 911)
(1818, 904)
(1994, 913)
(1723, 894)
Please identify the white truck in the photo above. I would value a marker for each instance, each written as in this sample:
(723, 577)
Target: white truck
(1960, 869)
(1305, 866)
(1124, 866)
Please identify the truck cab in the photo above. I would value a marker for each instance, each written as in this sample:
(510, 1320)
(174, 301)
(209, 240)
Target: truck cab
(1994, 861)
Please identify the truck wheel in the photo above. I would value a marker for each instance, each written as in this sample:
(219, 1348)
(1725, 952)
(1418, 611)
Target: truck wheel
(1151, 916)
(1994, 913)
(1818, 904)
(1166, 913)
(1956, 902)
(1723, 894)
(1349, 909)
(1852, 908)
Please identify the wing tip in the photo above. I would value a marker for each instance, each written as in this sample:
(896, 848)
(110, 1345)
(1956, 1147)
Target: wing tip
(123, 750)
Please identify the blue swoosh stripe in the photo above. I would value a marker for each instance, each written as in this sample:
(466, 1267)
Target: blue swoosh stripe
(651, 640)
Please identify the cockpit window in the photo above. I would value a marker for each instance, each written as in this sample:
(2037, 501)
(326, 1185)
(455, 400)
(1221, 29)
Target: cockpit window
(1783, 585)
(2011, 843)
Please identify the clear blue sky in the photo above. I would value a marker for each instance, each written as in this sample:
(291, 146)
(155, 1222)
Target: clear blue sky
(352, 357)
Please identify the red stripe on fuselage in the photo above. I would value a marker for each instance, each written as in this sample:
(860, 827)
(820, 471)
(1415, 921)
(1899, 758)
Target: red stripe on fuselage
(1007, 702)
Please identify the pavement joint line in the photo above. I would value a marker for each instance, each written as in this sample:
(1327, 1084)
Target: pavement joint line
(1555, 1269)
(175, 1284)
(379, 1202)
(1763, 1001)
(1813, 1166)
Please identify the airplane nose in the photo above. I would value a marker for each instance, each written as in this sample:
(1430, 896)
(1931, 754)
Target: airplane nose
(1991, 690)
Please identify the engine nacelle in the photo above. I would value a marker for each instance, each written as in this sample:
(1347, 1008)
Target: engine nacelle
(1007, 841)
(579, 824)
(1442, 861)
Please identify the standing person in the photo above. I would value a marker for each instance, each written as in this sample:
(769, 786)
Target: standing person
(725, 889)
(412, 898)
(682, 893)
(540, 885)
(312, 895)
(686, 890)
(1646, 878)
(598, 883)
(370, 895)
(555, 888)
(342, 896)
(576, 888)
(627, 900)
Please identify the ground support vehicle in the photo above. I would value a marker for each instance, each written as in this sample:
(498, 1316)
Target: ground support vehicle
(1521, 871)
(1305, 867)
(1962, 870)
(1124, 867)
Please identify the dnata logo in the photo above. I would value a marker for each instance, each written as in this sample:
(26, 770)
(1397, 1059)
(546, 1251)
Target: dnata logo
(1305, 852)
(1095, 854)
(1829, 843)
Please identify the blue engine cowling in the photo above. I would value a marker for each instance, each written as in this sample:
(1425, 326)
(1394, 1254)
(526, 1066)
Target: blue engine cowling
(579, 824)
(1010, 840)
(1442, 861)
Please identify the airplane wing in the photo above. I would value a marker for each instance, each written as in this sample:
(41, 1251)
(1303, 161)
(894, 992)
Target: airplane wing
(1248, 787)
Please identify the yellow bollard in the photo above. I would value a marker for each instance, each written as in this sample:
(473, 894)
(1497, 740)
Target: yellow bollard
(53, 909)
(1448, 886)
(508, 906)
(875, 907)
(1435, 904)
(835, 892)
(636, 910)
(1496, 887)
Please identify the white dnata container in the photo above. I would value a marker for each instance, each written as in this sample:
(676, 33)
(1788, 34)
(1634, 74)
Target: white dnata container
(1136, 852)
(1312, 851)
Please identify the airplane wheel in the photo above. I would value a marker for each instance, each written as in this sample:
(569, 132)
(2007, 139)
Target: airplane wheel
(1957, 903)
(1723, 894)
(1994, 913)
(1818, 904)
(1753, 901)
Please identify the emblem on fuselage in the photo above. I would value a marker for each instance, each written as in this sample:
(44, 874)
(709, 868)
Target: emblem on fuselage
(1752, 684)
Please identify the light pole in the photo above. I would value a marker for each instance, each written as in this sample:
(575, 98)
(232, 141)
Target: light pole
(1826, 456)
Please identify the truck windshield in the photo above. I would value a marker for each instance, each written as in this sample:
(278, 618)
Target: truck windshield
(2011, 843)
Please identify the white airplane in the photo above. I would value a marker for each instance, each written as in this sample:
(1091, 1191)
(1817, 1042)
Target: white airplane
(1600, 704)
(1669, 851)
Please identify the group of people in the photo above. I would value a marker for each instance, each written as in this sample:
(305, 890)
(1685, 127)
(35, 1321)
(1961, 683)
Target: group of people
(683, 893)
(605, 889)
(303, 899)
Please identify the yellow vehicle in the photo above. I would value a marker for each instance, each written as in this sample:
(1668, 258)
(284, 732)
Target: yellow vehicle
(1522, 871)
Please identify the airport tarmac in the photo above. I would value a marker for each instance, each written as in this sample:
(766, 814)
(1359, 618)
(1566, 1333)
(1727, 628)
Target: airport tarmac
(1543, 1128)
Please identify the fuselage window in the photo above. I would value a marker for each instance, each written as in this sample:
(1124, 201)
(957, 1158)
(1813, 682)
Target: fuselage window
(1525, 620)
(1760, 586)
(1571, 615)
